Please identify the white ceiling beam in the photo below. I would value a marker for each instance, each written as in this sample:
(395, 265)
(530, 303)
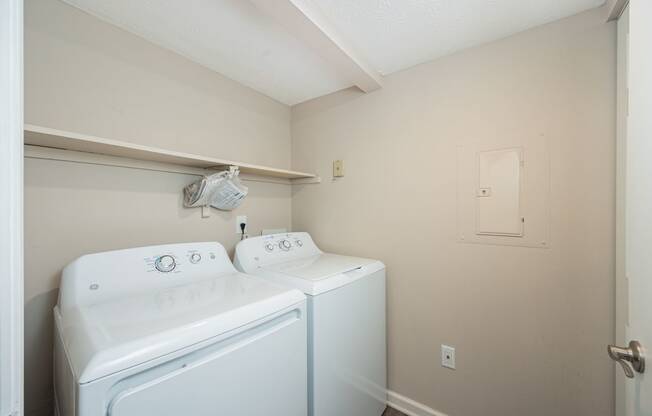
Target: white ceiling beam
(614, 8)
(309, 25)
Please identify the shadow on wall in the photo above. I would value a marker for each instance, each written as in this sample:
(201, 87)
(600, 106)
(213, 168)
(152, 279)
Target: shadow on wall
(38, 369)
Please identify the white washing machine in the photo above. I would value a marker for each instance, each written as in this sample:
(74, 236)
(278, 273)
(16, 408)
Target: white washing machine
(175, 330)
(346, 319)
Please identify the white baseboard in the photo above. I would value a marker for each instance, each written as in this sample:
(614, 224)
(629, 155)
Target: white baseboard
(410, 407)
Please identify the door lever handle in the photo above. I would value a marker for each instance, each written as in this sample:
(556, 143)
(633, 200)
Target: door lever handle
(626, 356)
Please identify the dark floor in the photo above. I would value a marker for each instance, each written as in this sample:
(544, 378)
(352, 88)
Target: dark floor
(392, 412)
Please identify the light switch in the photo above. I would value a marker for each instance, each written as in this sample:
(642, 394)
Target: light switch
(338, 168)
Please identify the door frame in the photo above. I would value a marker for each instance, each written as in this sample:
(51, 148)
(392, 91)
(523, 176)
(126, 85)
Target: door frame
(11, 207)
(622, 297)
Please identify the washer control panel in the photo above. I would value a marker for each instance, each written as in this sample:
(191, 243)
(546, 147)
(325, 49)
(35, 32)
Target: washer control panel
(283, 242)
(274, 248)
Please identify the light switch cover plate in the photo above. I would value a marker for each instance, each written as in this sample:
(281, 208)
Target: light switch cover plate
(338, 168)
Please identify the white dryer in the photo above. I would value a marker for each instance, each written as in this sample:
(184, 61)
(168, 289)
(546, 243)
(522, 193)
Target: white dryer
(346, 319)
(175, 330)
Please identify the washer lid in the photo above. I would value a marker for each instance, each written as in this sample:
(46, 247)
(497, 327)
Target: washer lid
(318, 267)
(105, 338)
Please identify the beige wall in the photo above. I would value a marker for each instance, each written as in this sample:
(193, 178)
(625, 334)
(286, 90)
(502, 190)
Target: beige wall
(530, 325)
(85, 76)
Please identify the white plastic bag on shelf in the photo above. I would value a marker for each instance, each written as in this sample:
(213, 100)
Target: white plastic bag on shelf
(200, 192)
(222, 190)
(229, 193)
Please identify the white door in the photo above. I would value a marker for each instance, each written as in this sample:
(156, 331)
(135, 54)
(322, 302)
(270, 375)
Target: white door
(11, 207)
(637, 188)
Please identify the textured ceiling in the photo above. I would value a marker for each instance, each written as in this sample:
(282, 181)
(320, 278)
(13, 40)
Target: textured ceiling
(397, 34)
(231, 37)
(236, 39)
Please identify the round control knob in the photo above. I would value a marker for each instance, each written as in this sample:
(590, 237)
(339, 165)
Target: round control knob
(284, 245)
(299, 243)
(269, 247)
(195, 258)
(165, 263)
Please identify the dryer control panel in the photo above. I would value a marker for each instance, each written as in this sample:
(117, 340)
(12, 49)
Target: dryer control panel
(192, 259)
(99, 277)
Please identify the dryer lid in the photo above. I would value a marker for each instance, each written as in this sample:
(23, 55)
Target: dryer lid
(318, 267)
(105, 338)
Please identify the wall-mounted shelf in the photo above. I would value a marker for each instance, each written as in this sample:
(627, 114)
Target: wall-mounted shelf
(51, 138)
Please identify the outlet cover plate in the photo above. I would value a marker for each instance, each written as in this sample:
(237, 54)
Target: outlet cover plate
(448, 356)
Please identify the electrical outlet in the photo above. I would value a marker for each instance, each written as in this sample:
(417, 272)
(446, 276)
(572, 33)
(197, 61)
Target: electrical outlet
(239, 220)
(448, 356)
